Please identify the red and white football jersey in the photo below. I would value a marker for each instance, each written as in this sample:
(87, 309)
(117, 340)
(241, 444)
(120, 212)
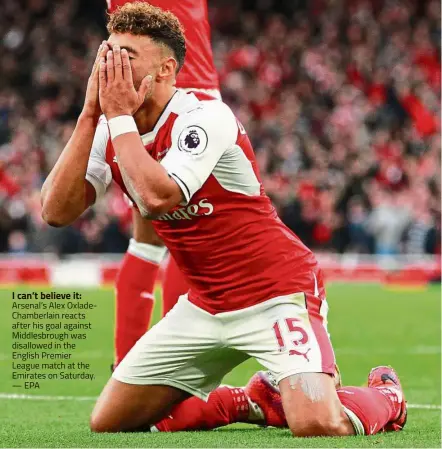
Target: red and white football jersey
(226, 236)
(199, 70)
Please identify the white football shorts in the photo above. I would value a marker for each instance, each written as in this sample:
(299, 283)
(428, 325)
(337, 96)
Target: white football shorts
(193, 350)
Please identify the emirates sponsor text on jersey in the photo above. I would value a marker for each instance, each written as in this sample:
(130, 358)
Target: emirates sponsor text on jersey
(203, 207)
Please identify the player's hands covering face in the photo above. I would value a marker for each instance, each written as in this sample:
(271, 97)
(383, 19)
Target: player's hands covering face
(91, 106)
(117, 92)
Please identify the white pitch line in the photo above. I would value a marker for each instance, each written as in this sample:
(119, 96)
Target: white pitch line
(424, 406)
(32, 397)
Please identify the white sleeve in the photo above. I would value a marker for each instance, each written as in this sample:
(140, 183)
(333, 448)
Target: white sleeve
(199, 139)
(98, 171)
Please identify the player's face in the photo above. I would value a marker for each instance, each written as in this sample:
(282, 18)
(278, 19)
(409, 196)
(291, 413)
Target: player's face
(146, 57)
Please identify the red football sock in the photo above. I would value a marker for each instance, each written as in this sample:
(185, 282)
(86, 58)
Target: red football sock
(373, 407)
(134, 295)
(174, 285)
(226, 405)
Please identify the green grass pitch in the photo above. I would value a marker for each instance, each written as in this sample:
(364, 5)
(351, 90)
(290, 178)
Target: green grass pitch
(369, 326)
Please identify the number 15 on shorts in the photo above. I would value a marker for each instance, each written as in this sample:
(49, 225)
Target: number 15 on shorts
(298, 342)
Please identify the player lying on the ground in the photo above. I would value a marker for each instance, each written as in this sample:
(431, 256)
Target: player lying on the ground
(136, 278)
(255, 289)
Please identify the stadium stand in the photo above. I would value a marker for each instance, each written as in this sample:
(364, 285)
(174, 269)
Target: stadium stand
(343, 110)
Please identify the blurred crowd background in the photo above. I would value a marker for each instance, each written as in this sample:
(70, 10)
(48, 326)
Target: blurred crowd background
(341, 99)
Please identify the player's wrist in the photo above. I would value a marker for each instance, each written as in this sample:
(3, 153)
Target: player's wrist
(121, 124)
(113, 114)
(88, 118)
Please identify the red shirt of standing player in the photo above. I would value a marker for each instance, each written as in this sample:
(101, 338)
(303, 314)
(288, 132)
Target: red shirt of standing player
(199, 70)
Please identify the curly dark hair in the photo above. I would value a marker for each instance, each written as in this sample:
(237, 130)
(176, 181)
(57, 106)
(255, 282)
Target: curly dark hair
(140, 18)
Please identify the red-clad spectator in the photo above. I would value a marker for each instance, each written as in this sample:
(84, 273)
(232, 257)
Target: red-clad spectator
(424, 121)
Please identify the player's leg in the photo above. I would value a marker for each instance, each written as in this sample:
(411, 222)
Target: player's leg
(124, 407)
(308, 392)
(314, 408)
(312, 405)
(263, 390)
(374, 410)
(135, 286)
(174, 285)
(288, 335)
(260, 403)
(225, 405)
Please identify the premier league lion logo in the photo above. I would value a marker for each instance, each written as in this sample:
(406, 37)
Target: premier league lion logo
(193, 140)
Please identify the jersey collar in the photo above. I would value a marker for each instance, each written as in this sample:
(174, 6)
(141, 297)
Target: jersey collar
(179, 102)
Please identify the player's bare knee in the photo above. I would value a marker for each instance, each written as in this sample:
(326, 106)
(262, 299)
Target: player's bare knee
(95, 426)
(99, 425)
(104, 420)
(316, 426)
(320, 414)
(108, 419)
(305, 427)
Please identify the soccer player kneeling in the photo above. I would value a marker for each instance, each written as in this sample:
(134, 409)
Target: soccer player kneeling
(255, 289)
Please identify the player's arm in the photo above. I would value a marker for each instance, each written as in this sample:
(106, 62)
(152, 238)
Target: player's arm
(66, 193)
(158, 187)
(146, 180)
